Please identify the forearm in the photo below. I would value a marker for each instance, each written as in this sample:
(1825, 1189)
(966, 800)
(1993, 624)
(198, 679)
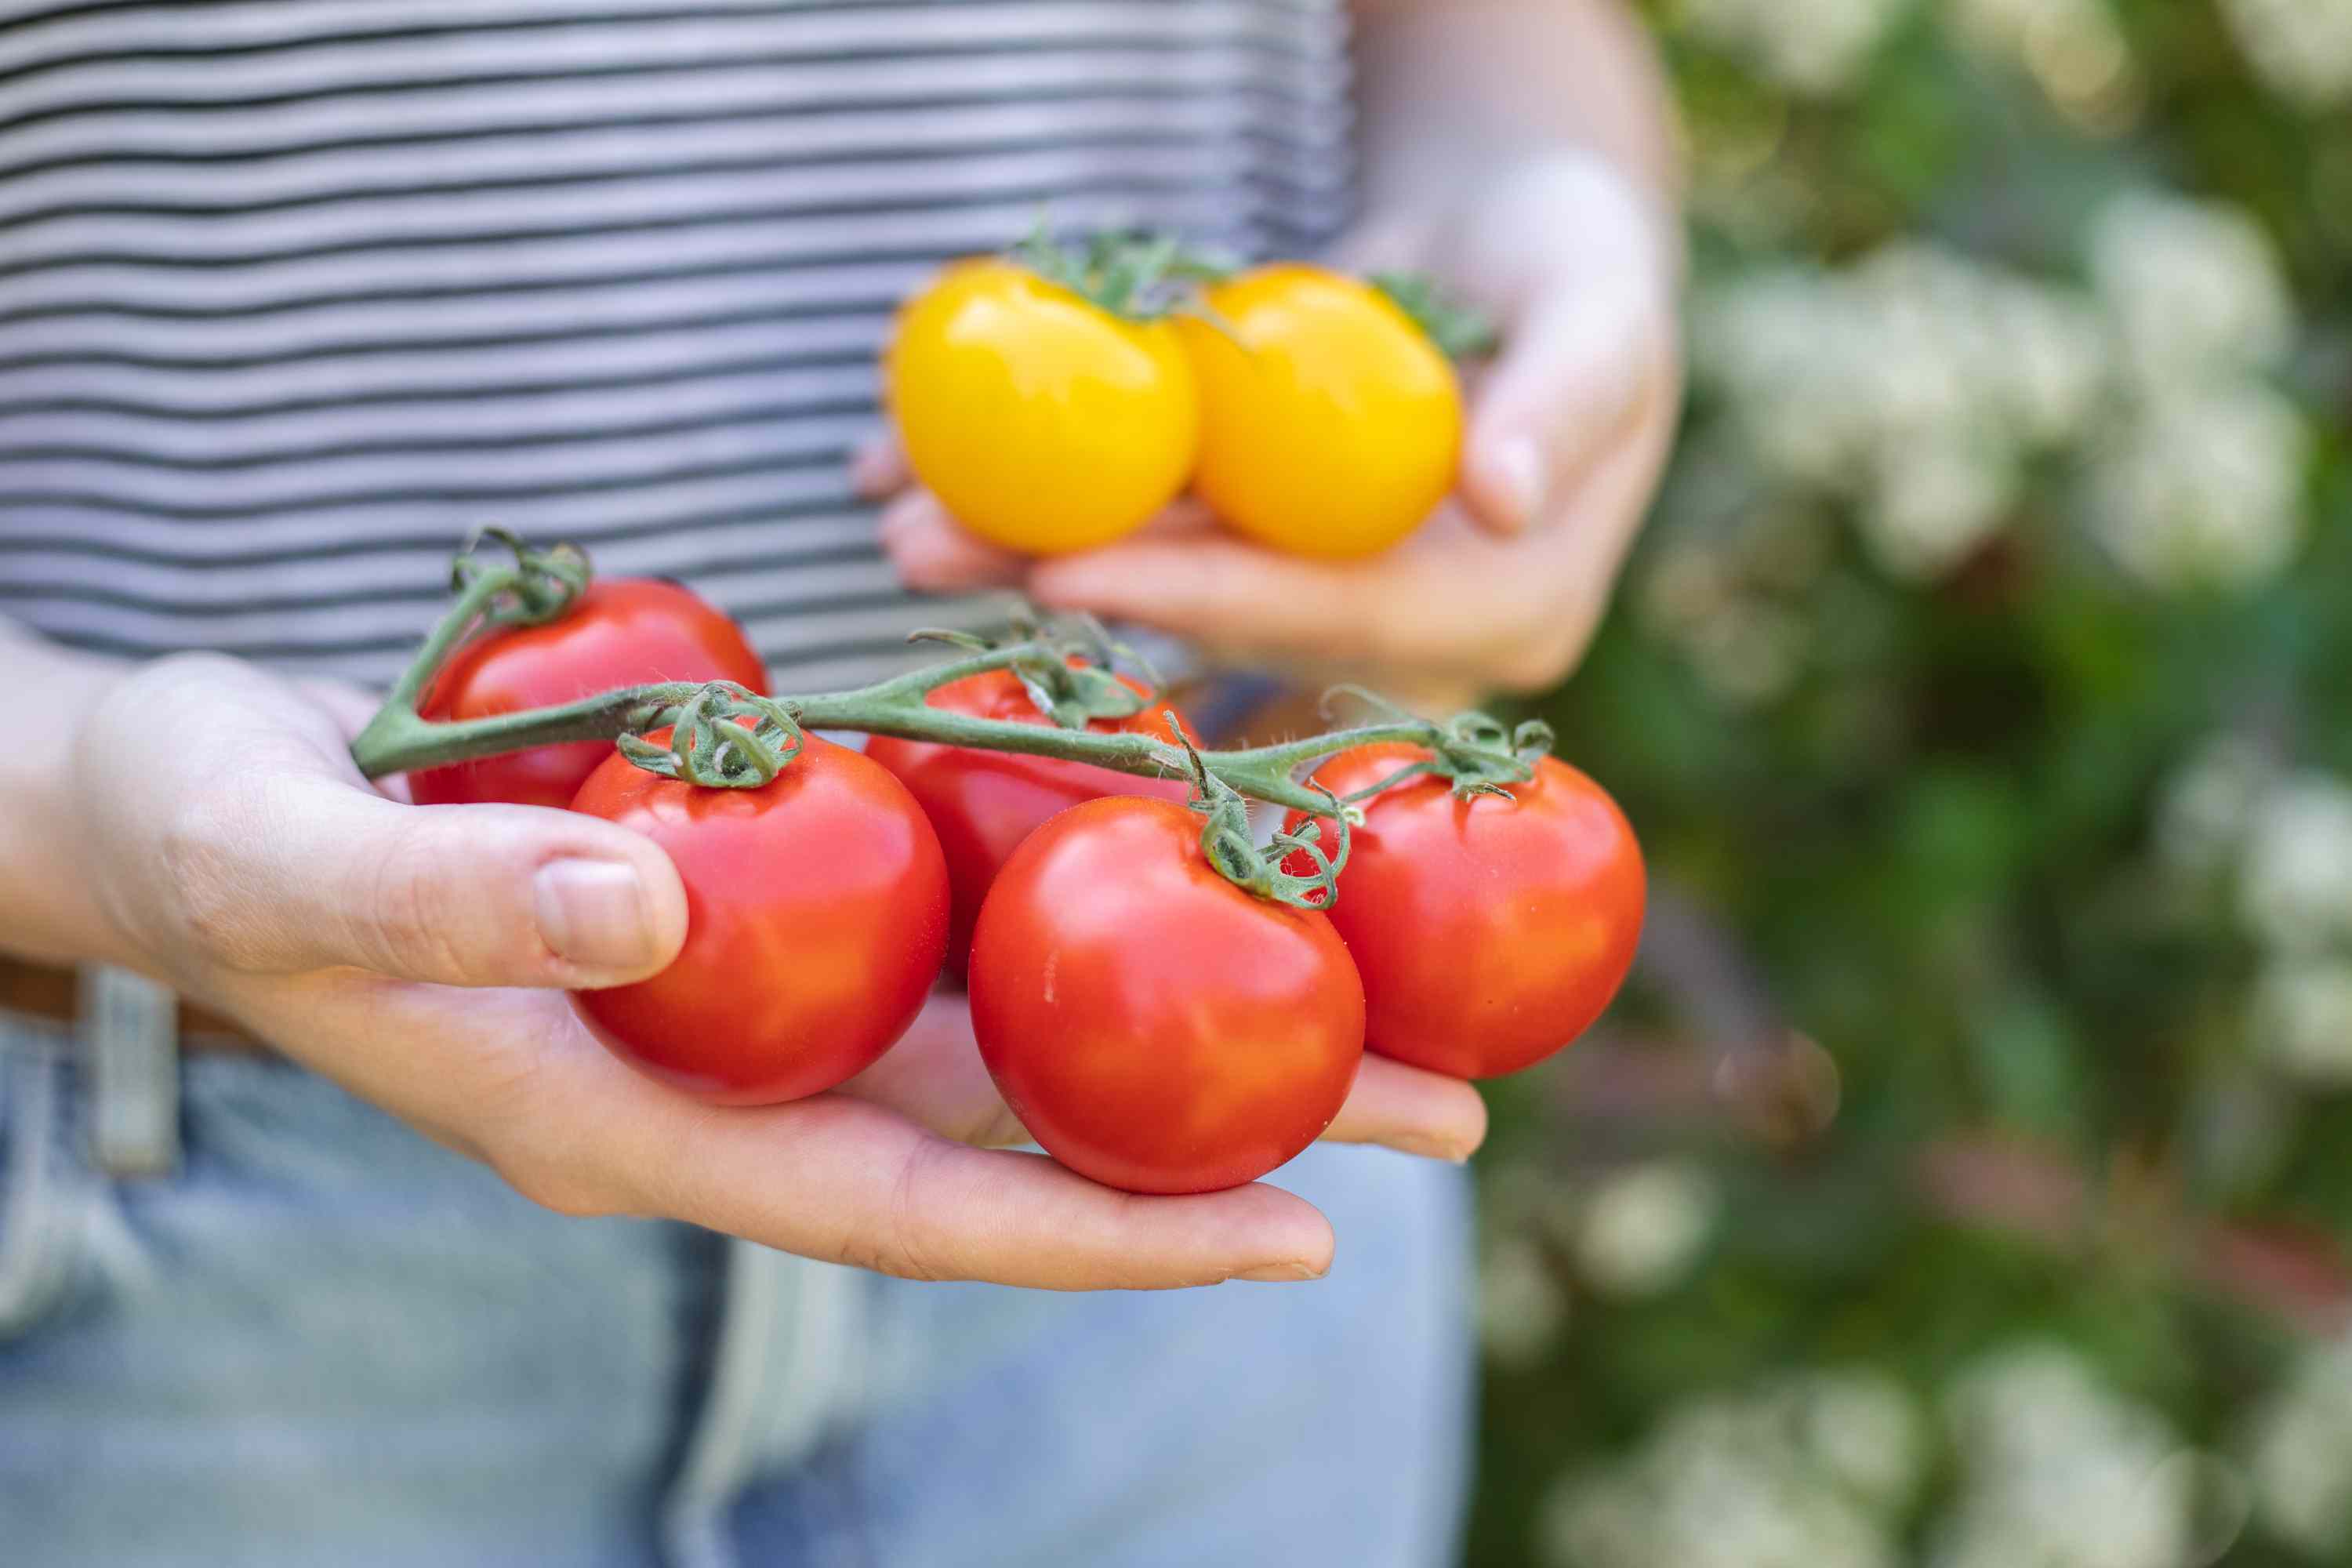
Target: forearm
(47, 912)
(1454, 84)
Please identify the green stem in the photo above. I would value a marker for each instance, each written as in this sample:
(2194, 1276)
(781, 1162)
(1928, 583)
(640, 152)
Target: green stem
(399, 741)
(540, 585)
(446, 634)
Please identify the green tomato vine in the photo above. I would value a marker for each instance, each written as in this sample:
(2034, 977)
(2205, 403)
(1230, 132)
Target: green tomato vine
(725, 737)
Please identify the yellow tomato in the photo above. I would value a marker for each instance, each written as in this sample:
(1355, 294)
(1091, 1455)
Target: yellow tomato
(1042, 422)
(1333, 427)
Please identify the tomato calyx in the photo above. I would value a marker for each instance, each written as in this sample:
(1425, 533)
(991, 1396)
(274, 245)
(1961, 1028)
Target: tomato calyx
(1460, 331)
(1135, 276)
(540, 585)
(1475, 752)
(1234, 853)
(710, 744)
(1067, 667)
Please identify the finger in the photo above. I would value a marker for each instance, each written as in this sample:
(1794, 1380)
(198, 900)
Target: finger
(839, 1179)
(934, 554)
(877, 467)
(1242, 601)
(282, 872)
(1388, 241)
(935, 1077)
(1408, 1108)
(351, 709)
(1571, 375)
(513, 1078)
(1456, 603)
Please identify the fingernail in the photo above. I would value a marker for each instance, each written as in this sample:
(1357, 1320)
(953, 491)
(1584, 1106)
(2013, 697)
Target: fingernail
(1452, 1153)
(594, 913)
(1519, 471)
(1280, 1273)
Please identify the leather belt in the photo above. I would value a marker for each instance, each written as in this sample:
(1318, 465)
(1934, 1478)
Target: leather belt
(39, 991)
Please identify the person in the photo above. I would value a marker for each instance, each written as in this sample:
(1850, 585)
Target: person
(293, 295)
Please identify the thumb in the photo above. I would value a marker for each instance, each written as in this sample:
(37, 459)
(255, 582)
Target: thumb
(309, 872)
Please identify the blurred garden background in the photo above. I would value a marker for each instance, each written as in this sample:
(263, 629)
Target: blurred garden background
(1967, 1179)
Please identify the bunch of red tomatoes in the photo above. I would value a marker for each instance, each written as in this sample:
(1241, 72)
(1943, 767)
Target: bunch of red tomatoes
(1154, 1025)
(1057, 401)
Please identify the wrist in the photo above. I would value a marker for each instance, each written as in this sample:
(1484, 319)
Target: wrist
(1536, 214)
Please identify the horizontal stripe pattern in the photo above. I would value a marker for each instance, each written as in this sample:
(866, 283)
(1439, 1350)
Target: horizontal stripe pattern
(294, 294)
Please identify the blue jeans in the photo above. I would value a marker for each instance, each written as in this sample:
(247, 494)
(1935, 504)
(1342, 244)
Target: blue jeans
(327, 1341)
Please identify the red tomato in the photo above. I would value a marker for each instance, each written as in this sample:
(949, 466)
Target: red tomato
(1153, 1025)
(816, 914)
(1490, 932)
(622, 632)
(983, 803)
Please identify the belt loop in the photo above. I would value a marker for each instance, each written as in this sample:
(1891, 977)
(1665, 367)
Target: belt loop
(130, 1032)
(41, 1184)
(783, 1373)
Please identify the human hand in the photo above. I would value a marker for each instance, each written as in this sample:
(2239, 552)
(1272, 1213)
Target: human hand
(1567, 432)
(417, 955)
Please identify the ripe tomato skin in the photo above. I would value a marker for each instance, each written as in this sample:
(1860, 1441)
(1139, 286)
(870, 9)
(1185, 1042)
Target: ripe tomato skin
(622, 632)
(1154, 1026)
(1338, 430)
(1489, 933)
(983, 803)
(1044, 424)
(817, 913)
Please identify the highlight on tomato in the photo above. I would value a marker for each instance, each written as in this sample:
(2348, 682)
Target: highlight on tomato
(621, 632)
(816, 918)
(1155, 1026)
(1332, 415)
(1044, 398)
(1490, 930)
(983, 803)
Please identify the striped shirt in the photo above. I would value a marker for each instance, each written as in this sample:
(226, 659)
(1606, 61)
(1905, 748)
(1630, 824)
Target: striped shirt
(296, 293)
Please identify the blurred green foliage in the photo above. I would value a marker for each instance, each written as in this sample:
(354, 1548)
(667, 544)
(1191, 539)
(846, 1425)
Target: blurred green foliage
(2007, 816)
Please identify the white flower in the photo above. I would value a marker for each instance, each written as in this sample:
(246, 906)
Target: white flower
(1918, 309)
(2059, 1472)
(1787, 548)
(2303, 1018)
(2294, 880)
(1520, 1305)
(1863, 1429)
(1917, 383)
(1750, 652)
(1789, 350)
(2209, 806)
(2302, 1433)
(2047, 356)
(1721, 1484)
(2072, 48)
(1688, 585)
(2301, 49)
(2204, 489)
(1933, 501)
(2195, 287)
(1642, 1227)
(1816, 48)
